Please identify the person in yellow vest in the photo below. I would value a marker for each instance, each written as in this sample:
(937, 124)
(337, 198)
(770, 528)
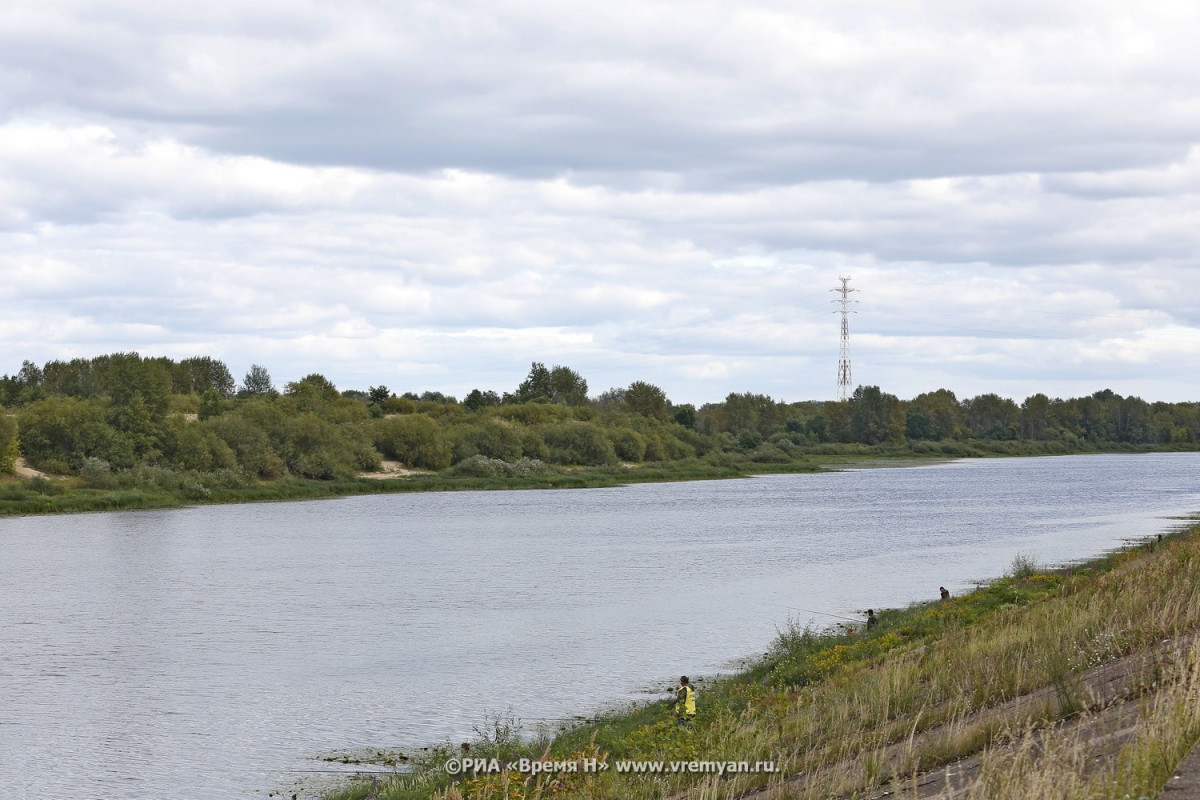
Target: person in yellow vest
(685, 702)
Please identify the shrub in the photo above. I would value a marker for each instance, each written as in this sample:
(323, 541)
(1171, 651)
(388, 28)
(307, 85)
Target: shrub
(534, 446)
(629, 445)
(492, 439)
(480, 466)
(1024, 565)
(413, 439)
(578, 443)
(96, 472)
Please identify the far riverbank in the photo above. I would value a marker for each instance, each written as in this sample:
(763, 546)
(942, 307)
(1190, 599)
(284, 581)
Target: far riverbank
(161, 489)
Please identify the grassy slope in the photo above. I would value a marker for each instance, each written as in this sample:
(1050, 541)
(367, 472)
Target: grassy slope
(846, 716)
(22, 496)
(55, 496)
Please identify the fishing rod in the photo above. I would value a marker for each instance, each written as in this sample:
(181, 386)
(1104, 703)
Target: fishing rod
(822, 613)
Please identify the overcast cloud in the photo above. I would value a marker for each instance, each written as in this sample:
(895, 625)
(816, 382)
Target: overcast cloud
(432, 196)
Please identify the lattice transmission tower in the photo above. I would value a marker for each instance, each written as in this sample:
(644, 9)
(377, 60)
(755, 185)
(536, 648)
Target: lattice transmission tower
(844, 384)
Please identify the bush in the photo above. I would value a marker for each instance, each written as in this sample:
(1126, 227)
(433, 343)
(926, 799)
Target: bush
(480, 466)
(1024, 565)
(492, 439)
(251, 447)
(96, 472)
(579, 443)
(534, 446)
(415, 440)
(629, 445)
(319, 449)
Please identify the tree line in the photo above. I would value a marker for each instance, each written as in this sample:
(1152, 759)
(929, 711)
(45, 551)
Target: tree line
(123, 419)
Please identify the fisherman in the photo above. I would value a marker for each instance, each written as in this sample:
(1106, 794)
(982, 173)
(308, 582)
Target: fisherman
(945, 592)
(872, 620)
(685, 703)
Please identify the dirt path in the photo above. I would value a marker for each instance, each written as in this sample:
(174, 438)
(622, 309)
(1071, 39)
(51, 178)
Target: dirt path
(391, 469)
(23, 469)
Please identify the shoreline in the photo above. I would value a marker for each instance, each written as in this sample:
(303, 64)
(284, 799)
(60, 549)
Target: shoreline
(44, 494)
(759, 710)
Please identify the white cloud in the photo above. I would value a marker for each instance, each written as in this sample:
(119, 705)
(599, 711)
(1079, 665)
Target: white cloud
(657, 191)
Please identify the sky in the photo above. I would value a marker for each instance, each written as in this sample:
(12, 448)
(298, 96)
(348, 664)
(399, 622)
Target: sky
(432, 196)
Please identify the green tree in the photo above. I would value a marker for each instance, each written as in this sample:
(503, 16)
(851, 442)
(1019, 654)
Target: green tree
(559, 384)
(568, 387)
(58, 433)
(198, 374)
(685, 415)
(311, 392)
(1036, 417)
(128, 375)
(257, 382)
(478, 400)
(536, 386)
(990, 416)
(648, 400)
(74, 378)
(210, 404)
(875, 416)
(1131, 420)
(943, 412)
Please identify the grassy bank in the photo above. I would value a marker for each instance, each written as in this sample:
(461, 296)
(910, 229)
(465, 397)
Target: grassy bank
(164, 489)
(1042, 684)
(156, 487)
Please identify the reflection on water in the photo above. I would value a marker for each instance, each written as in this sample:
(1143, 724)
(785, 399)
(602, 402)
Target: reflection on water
(213, 652)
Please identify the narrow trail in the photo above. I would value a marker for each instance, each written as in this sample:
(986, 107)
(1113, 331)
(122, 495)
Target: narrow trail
(23, 469)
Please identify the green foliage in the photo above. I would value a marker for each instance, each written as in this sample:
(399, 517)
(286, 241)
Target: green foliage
(533, 445)
(559, 384)
(685, 415)
(312, 392)
(398, 405)
(478, 400)
(315, 448)
(9, 444)
(201, 374)
(480, 466)
(246, 433)
(128, 376)
(257, 382)
(875, 416)
(990, 416)
(210, 405)
(580, 443)
(65, 430)
(648, 400)
(192, 447)
(413, 440)
(491, 438)
(629, 445)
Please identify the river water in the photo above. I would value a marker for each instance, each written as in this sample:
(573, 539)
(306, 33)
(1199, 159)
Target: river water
(216, 652)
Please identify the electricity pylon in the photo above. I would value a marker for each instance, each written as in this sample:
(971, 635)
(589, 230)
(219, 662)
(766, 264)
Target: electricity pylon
(844, 383)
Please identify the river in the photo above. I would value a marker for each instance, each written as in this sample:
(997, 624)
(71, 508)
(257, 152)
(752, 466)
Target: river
(216, 652)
